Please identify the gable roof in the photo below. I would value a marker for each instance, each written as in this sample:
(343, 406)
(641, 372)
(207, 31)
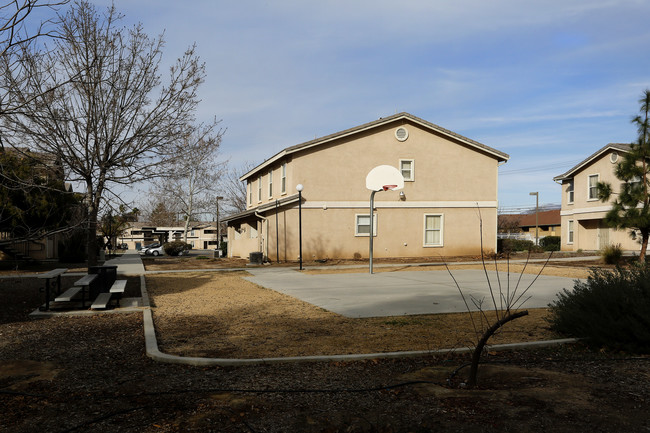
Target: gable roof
(622, 147)
(544, 218)
(376, 123)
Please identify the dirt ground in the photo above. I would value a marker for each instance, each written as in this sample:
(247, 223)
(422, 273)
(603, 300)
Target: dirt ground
(222, 315)
(91, 374)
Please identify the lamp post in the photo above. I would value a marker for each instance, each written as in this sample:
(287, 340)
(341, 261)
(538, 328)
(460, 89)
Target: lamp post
(299, 188)
(218, 226)
(536, 194)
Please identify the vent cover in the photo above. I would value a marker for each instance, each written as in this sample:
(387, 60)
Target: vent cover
(613, 157)
(401, 133)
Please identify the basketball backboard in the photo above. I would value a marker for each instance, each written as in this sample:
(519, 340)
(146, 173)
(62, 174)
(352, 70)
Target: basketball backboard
(384, 177)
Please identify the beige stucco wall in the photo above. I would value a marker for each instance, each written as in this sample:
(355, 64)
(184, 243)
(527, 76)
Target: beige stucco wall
(330, 233)
(450, 178)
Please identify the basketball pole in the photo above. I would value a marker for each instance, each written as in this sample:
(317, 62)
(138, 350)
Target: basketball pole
(372, 231)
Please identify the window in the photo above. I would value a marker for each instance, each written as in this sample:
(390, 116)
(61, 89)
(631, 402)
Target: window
(191, 232)
(406, 166)
(432, 230)
(259, 188)
(192, 244)
(593, 187)
(270, 184)
(250, 193)
(570, 232)
(569, 191)
(362, 225)
(283, 179)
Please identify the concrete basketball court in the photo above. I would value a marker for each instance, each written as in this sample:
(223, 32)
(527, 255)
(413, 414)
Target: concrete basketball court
(404, 292)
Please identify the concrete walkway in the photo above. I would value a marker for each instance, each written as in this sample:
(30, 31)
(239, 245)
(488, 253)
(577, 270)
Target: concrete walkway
(128, 263)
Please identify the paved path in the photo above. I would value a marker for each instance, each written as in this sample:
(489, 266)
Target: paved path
(404, 292)
(129, 263)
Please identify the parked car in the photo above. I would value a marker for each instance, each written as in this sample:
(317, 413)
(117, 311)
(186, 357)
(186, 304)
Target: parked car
(154, 249)
(157, 251)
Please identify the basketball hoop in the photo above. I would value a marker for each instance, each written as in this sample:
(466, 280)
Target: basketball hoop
(387, 187)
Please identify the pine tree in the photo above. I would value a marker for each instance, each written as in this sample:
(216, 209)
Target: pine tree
(631, 209)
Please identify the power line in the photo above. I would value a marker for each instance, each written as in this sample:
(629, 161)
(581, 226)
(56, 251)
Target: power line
(537, 168)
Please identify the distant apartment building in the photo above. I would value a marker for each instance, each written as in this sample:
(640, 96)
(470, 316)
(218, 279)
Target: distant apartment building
(583, 214)
(199, 236)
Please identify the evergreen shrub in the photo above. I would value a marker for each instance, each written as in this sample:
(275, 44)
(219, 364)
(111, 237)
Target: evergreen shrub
(550, 243)
(612, 254)
(611, 309)
(175, 248)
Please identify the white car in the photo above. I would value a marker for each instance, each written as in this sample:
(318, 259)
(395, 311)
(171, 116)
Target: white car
(152, 250)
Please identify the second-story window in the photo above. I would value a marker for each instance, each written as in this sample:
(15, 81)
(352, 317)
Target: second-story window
(569, 191)
(250, 194)
(270, 183)
(593, 187)
(283, 178)
(259, 188)
(407, 169)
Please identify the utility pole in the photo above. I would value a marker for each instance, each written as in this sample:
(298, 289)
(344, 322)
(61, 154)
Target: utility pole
(536, 194)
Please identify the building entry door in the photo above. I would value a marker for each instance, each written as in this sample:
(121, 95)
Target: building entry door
(603, 236)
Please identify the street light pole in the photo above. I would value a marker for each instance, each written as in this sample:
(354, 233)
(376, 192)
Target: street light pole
(299, 188)
(218, 226)
(536, 194)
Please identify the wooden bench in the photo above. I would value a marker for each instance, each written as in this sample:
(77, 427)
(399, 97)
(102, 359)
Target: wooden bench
(48, 277)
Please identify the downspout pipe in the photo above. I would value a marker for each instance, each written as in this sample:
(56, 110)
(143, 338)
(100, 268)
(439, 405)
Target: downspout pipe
(265, 221)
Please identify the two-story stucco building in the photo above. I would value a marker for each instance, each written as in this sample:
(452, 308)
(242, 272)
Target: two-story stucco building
(582, 213)
(451, 184)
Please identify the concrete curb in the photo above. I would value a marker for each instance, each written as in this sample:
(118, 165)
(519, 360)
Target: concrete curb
(151, 344)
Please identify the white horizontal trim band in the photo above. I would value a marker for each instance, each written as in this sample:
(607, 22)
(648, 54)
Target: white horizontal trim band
(399, 204)
(585, 210)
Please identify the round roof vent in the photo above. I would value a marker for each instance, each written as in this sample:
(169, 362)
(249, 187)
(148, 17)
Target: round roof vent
(613, 157)
(401, 133)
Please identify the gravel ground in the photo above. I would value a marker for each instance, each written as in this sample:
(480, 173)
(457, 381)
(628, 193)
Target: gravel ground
(91, 374)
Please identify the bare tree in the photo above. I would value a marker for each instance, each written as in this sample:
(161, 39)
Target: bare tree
(506, 303)
(17, 31)
(235, 190)
(98, 103)
(192, 177)
(158, 213)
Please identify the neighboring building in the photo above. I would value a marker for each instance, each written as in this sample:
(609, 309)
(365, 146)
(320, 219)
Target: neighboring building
(35, 238)
(522, 226)
(200, 235)
(450, 185)
(583, 214)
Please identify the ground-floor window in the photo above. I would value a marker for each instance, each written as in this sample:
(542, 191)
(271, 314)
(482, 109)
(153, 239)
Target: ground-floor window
(433, 229)
(362, 224)
(570, 232)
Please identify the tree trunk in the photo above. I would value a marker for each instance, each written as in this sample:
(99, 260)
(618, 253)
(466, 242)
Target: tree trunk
(476, 356)
(91, 236)
(644, 245)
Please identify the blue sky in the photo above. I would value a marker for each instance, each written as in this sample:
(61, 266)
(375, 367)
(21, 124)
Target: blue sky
(548, 82)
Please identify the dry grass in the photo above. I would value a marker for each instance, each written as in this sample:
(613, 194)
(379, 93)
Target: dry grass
(223, 315)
